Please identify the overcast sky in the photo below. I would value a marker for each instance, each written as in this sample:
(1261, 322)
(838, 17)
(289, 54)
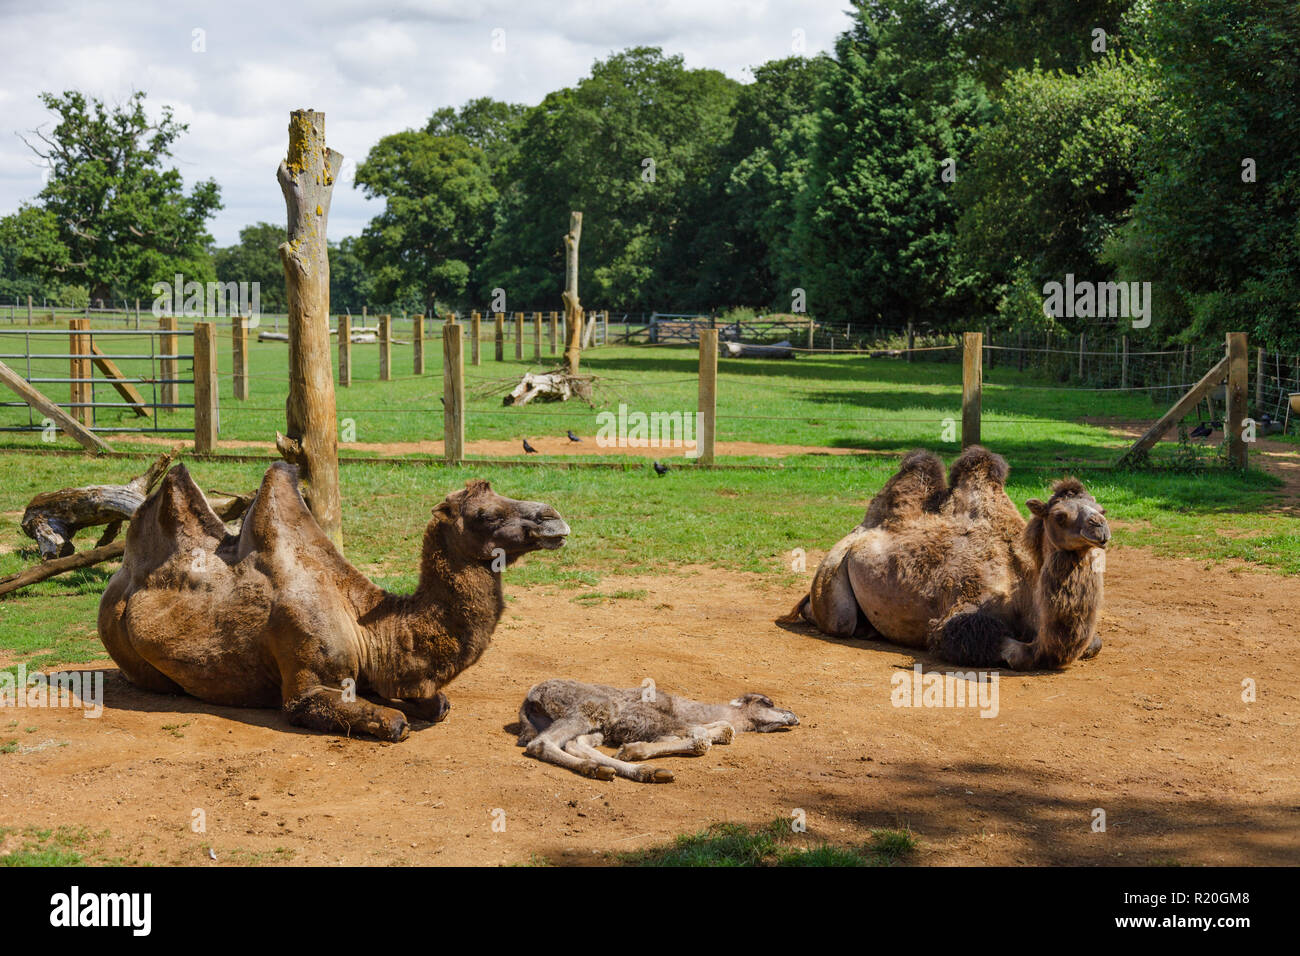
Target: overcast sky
(373, 69)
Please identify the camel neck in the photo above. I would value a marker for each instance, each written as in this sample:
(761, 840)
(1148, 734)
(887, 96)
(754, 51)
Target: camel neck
(1069, 598)
(463, 592)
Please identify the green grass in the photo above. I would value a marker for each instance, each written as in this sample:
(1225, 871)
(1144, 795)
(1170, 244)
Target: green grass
(734, 844)
(63, 846)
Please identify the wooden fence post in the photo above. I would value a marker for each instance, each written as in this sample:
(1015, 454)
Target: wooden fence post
(79, 369)
(453, 395)
(519, 335)
(167, 345)
(205, 388)
(386, 347)
(417, 345)
(239, 357)
(500, 336)
(972, 386)
(708, 406)
(810, 337)
(29, 311)
(537, 336)
(554, 333)
(345, 350)
(1238, 377)
(475, 325)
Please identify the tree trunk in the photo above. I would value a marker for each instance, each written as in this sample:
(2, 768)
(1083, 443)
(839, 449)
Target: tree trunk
(306, 178)
(572, 307)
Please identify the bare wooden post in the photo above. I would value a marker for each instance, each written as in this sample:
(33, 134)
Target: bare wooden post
(572, 306)
(519, 335)
(345, 350)
(1238, 378)
(475, 325)
(386, 347)
(417, 345)
(137, 314)
(972, 387)
(29, 311)
(306, 178)
(167, 368)
(239, 357)
(1123, 365)
(84, 436)
(708, 394)
(1259, 380)
(79, 370)
(537, 336)
(205, 388)
(453, 395)
(500, 336)
(553, 333)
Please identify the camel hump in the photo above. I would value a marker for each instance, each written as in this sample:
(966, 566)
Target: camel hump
(179, 510)
(279, 510)
(978, 464)
(914, 488)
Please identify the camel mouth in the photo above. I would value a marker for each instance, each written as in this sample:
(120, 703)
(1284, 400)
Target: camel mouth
(1099, 540)
(551, 534)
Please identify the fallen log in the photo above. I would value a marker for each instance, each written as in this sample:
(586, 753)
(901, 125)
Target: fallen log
(53, 517)
(781, 350)
(549, 387)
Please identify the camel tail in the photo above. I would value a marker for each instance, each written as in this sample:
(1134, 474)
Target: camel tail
(796, 616)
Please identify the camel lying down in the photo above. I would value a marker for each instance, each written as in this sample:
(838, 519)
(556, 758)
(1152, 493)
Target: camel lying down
(564, 721)
(953, 567)
(276, 617)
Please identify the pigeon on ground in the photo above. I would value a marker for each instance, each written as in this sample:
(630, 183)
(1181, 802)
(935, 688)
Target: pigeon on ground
(661, 470)
(529, 448)
(573, 437)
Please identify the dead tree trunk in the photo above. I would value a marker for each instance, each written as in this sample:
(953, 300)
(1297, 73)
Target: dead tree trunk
(307, 180)
(572, 307)
(53, 517)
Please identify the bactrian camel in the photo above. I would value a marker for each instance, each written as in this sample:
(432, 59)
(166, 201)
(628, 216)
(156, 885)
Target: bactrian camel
(954, 568)
(564, 721)
(276, 617)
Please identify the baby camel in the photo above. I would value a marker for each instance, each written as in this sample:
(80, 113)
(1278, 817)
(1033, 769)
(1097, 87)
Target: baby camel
(564, 721)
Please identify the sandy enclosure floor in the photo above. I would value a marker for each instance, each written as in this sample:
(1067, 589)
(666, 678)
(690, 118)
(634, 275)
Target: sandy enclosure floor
(1154, 731)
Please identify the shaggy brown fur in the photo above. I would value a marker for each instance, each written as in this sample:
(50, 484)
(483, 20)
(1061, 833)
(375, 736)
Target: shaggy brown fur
(275, 616)
(955, 569)
(564, 721)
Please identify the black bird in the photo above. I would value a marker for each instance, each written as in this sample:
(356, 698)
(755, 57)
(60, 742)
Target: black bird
(661, 470)
(573, 437)
(529, 448)
(1203, 430)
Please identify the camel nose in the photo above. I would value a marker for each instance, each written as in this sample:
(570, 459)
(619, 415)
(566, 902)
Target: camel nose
(1098, 530)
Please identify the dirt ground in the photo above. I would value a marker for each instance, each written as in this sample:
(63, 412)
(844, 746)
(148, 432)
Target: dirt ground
(1154, 732)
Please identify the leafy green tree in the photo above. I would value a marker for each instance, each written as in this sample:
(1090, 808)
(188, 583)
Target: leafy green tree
(32, 256)
(256, 259)
(350, 284)
(438, 207)
(1052, 177)
(124, 219)
(631, 146)
(876, 220)
(1215, 220)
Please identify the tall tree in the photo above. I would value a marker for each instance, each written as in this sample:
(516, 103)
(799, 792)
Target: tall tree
(123, 217)
(255, 259)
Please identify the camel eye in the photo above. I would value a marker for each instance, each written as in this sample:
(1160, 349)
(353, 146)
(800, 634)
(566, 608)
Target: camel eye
(1061, 518)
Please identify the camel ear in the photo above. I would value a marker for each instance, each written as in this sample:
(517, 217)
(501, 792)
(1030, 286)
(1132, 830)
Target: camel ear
(476, 486)
(1036, 507)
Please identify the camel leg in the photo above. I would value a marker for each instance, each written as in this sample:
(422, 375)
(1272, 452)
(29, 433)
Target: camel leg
(309, 704)
(585, 747)
(1093, 649)
(549, 746)
(698, 743)
(433, 709)
(972, 637)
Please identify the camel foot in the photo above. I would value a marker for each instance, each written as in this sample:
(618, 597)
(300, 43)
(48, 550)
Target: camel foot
(597, 771)
(395, 730)
(1018, 655)
(656, 775)
(1092, 650)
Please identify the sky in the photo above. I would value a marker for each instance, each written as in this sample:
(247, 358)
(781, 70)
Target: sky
(234, 70)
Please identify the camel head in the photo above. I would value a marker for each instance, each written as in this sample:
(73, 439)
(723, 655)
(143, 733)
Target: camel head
(759, 714)
(1071, 519)
(480, 525)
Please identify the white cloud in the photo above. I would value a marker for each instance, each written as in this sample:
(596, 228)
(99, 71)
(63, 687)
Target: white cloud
(373, 70)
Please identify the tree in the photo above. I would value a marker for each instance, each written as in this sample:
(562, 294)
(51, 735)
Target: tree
(255, 259)
(438, 200)
(876, 220)
(124, 220)
(1215, 220)
(630, 146)
(30, 248)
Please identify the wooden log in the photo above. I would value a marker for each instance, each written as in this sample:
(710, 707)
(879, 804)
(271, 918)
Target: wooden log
(48, 569)
(345, 350)
(475, 334)
(52, 518)
(239, 357)
(1238, 383)
(306, 178)
(417, 345)
(1180, 408)
(972, 387)
(572, 305)
(453, 395)
(115, 378)
(708, 397)
(206, 421)
(168, 368)
(84, 436)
